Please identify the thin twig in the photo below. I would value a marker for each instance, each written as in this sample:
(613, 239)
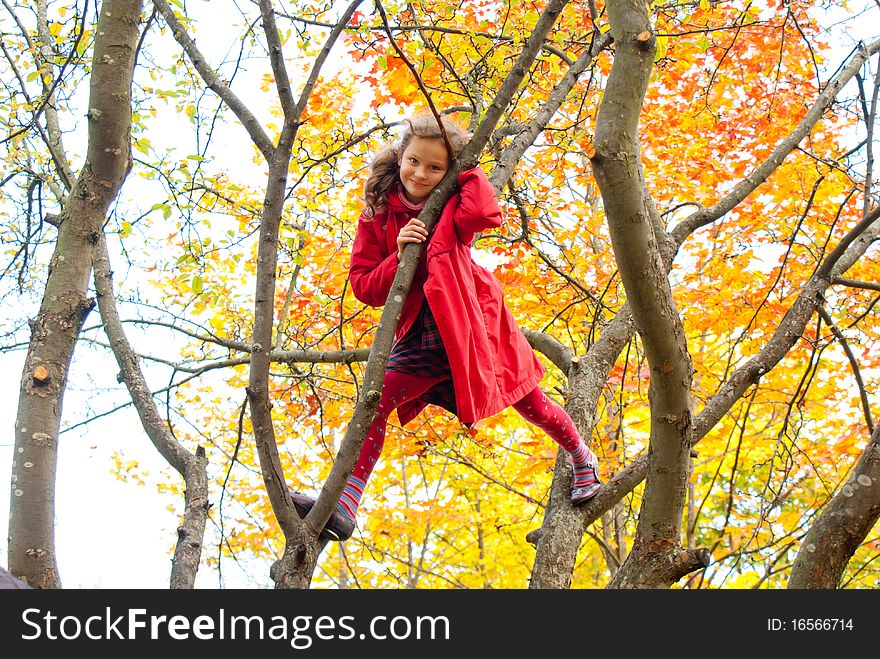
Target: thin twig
(863, 394)
(416, 75)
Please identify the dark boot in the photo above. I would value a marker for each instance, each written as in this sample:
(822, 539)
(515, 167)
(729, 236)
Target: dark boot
(339, 527)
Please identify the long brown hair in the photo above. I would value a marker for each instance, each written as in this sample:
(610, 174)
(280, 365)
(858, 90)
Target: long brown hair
(385, 170)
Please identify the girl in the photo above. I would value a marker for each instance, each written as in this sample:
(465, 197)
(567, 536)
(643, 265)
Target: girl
(457, 345)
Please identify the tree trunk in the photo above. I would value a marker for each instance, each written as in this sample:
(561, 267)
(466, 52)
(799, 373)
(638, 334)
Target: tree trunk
(656, 559)
(563, 527)
(368, 401)
(65, 305)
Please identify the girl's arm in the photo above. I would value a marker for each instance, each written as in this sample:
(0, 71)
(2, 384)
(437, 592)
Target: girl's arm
(478, 208)
(372, 268)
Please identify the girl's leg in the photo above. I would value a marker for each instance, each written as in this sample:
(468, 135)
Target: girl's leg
(397, 389)
(536, 408)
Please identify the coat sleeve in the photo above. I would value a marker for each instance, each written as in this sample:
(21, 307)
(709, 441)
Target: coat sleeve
(478, 208)
(372, 268)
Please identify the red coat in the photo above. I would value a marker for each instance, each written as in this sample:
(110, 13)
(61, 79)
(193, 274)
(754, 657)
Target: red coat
(492, 364)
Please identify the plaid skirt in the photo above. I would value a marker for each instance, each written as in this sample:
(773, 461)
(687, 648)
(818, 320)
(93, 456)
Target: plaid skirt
(421, 353)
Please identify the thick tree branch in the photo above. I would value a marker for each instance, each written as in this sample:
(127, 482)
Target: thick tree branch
(291, 570)
(192, 467)
(558, 353)
(566, 547)
(618, 172)
(788, 332)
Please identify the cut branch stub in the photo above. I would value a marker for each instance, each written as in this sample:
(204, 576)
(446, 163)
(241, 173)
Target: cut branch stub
(41, 375)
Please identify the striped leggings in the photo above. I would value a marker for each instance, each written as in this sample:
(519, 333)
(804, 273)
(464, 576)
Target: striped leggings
(399, 388)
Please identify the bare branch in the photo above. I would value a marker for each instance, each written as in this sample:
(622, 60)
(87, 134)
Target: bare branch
(213, 81)
(192, 467)
(853, 283)
(853, 362)
(47, 103)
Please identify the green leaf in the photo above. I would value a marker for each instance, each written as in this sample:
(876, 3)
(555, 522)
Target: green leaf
(197, 284)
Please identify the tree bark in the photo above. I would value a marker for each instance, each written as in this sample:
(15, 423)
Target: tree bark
(617, 168)
(302, 548)
(193, 467)
(790, 329)
(563, 529)
(65, 304)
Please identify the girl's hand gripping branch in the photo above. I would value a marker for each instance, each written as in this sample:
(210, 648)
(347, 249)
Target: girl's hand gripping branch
(413, 231)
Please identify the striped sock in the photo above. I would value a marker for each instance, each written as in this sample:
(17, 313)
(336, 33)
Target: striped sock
(582, 459)
(351, 496)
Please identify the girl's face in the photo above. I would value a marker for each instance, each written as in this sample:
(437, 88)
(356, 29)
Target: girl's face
(423, 163)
